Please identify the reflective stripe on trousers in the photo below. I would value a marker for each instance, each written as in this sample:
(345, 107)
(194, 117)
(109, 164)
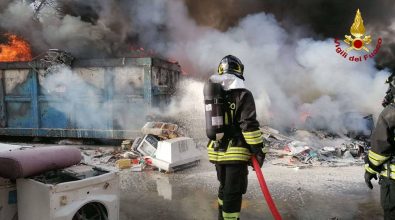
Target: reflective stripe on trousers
(231, 216)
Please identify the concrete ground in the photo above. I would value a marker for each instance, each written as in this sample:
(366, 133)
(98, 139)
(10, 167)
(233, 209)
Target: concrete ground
(311, 193)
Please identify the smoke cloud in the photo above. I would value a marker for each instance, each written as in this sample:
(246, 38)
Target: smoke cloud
(82, 96)
(287, 76)
(291, 65)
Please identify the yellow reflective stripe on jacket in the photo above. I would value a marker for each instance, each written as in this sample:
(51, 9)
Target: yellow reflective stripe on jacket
(233, 158)
(252, 134)
(377, 159)
(231, 154)
(257, 140)
(212, 155)
(370, 170)
(220, 202)
(384, 172)
(231, 216)
(253, 137)
(392, 167)
(241, 150)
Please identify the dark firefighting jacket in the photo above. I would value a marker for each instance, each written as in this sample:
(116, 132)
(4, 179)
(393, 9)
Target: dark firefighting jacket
(241, 130)
(383, 144)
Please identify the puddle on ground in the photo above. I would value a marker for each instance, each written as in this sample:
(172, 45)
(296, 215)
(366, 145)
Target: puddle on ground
(153, 195)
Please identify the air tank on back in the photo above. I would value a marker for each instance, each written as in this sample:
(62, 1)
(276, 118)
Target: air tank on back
(214, 112)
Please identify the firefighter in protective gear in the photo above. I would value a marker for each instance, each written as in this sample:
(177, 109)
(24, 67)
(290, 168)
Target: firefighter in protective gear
(242, 138)
(389, 95)
(380, 158)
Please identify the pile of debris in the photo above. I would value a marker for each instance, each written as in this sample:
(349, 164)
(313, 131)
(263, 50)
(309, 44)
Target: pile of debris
(162, 147)
(318, 148)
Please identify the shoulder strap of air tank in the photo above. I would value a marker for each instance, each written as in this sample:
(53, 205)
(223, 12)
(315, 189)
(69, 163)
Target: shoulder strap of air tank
(230, 108)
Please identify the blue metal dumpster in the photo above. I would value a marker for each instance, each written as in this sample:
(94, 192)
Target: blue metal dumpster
(95, 98)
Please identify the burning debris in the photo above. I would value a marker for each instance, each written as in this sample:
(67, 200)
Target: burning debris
(57, 57)
(13, 48)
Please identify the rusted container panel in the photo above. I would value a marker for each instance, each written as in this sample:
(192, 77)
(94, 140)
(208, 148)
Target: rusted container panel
(98, 98)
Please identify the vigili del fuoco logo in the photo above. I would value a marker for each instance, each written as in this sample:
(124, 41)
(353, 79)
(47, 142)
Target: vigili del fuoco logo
(357, 41)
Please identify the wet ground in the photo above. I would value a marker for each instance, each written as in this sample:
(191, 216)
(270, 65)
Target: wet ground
(310, 193)
(313, 193)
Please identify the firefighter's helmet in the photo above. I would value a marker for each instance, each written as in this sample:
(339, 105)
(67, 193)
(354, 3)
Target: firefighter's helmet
(232, 65)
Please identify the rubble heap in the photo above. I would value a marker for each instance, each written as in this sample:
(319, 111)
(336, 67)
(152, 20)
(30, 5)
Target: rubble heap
(162, 147)
(316, 148)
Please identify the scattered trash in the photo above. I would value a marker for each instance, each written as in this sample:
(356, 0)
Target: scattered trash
(138, 167)
(160, 148)
(124, 163)
(126, 144)
(297, 147)
(130, 155)
(313, 148)
(70, 142)
(136, 144)
(106, 159)
(328, 151)
(161, 129)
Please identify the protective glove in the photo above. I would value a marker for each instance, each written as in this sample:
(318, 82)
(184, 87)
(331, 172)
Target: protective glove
(260, 156)
(368, 178)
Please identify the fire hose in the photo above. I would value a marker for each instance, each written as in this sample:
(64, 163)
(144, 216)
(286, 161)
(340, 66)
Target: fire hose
(265, 190)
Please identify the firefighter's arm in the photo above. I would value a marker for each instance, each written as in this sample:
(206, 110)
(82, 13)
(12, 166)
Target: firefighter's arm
(249, 125)
(382, 142)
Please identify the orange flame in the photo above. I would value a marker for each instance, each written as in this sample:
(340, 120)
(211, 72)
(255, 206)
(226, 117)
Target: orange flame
(16, 49)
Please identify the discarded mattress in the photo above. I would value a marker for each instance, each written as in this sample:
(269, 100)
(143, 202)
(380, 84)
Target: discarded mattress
(32, 161)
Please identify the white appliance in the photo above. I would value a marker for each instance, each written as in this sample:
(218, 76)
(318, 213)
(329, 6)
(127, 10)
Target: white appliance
(8, 195)
(76, 193)
(147, 145)
(8, 199)
(175, 154)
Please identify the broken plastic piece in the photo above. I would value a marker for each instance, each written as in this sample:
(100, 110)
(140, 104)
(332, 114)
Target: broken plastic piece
(123, 163)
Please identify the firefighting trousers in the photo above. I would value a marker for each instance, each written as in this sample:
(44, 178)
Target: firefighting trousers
(233, 184)
(387, 197)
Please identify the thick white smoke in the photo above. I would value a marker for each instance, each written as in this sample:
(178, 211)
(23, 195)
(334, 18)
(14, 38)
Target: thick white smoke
(287, 76)
(82, 96)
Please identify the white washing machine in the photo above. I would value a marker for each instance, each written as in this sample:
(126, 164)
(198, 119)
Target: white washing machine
(79, 192)
(8, 195)
(8, 199)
